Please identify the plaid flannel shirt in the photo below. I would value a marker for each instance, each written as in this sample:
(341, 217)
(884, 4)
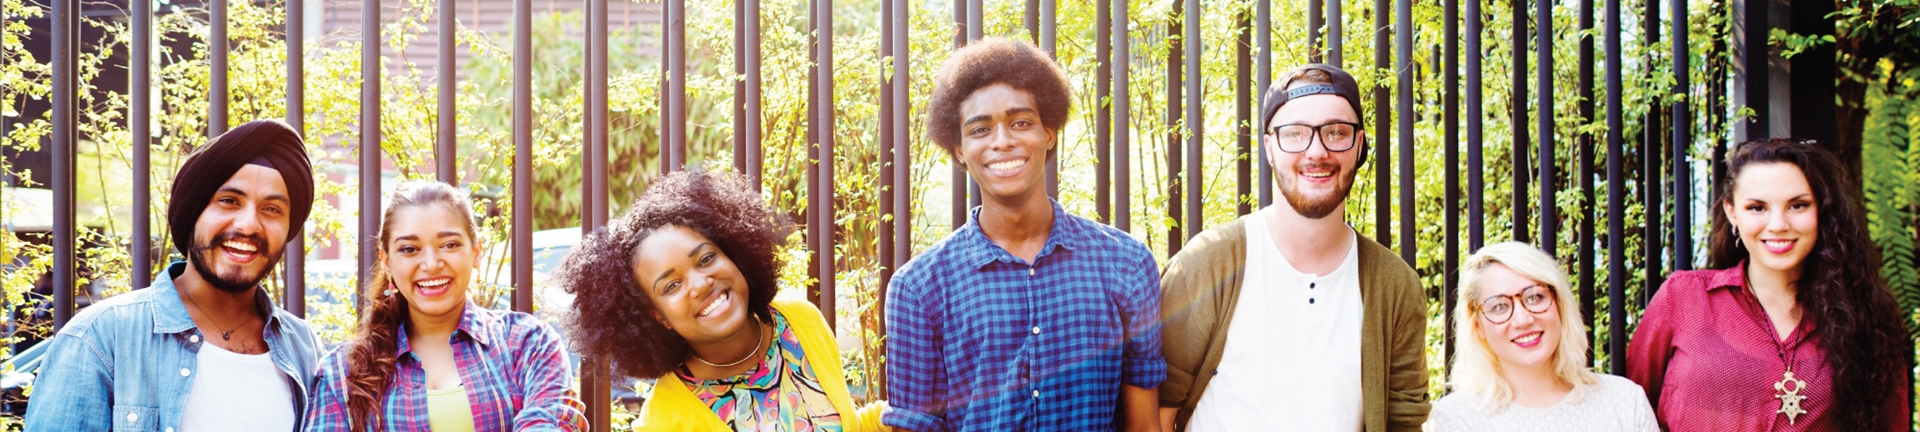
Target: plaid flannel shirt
(513, 365)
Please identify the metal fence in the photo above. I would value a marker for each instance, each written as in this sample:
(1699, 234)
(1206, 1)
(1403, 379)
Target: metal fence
(1113, 133)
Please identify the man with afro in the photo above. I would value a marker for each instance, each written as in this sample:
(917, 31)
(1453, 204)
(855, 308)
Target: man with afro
(1027, 317)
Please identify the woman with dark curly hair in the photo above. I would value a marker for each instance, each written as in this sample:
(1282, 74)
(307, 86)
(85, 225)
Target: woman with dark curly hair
(426, 358)
(682, 288)
(1793, 324)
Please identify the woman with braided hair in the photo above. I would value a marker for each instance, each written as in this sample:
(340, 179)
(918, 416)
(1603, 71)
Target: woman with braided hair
(426, 358)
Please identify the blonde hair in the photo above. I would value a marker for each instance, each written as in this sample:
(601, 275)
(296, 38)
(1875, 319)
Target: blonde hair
(1475, 369)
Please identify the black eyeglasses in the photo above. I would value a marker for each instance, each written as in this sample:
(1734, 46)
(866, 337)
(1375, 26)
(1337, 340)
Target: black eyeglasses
(1498, 308)
(1296, 138)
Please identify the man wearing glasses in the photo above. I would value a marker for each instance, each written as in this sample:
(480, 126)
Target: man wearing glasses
(1287, 316)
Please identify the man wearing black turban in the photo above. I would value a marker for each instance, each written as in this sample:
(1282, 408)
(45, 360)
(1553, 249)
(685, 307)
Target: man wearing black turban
(150, 359)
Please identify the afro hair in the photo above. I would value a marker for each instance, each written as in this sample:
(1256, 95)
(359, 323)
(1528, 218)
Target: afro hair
(990, 61)
(613, 318)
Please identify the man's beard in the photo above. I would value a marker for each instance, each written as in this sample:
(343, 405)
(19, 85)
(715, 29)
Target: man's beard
(201, 257)
(1316, 209)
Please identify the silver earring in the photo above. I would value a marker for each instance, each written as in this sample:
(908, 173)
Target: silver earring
(1736, 236)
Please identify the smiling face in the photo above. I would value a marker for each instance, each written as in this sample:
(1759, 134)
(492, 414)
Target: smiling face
(1003, 144)
(430, 257)
(1314, 182)
(239, 237)
(1776, 215)
(1528, 339)
(696, 290)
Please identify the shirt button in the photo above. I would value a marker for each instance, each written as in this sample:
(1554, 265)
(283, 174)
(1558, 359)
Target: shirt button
(183, 372)
(169, 429)
(133, 417)
(1036, 394)
(194, 338)
(1036, 329)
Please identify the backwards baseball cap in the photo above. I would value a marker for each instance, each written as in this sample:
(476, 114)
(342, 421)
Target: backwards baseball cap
(1341, 84)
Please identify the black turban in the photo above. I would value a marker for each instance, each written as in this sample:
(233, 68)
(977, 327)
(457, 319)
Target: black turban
(268, 143)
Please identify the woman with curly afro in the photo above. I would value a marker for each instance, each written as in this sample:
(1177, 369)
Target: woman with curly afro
(682, 288)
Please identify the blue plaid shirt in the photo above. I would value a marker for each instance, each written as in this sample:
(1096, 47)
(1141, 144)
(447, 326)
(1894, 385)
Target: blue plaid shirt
(981, 340)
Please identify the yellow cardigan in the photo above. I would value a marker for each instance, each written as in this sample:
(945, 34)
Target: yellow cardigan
(674, 408)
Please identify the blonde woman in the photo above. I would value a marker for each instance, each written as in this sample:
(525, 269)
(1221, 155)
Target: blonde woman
(1522, 362)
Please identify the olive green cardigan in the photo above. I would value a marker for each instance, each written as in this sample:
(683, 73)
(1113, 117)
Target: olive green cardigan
(1201, 286)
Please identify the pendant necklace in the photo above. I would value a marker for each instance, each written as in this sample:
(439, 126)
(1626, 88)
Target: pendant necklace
(226, 334)
(1789, 391)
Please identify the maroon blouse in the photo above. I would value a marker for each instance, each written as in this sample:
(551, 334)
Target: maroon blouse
(1708, 358)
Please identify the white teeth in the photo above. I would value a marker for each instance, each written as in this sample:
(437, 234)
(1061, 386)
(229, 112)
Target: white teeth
(1779, 242)
(239, 246)
(1318, 174)
(711, 307)
(433, 283)
(1528, 339)
(1007, 165)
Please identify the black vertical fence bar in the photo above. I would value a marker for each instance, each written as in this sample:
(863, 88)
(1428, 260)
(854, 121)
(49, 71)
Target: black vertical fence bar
(1517, 107)
(523, 156)
(1103, 111)
(1616, 201)
(1652, 159)
(1047, 40)
(595, 385)
(139, 126)
(1336, 33)
(740, 87)
(1585, 169)
(1450, 261)
(959, 180)
(1682, 142)
(676, 81)
(1543, 75)
(370, 47)
(1316, 18)
(446, 145)
(825, 199)
(976, 29)
(1403, 58)
(811, 214)
(1243, 112)
(1475, 121)
(1030, 19)
(1753, 39)
(751, 107)
(65, 27)
(294, 297)
(888, 182)
(217, 53)
(1263, 32)
(1382, 123)
(1122, 118)
(1175, 78)
(902, 146)
(1196, 120)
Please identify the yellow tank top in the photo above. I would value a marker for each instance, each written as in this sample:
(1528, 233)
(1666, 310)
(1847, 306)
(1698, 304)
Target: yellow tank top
(448, 410)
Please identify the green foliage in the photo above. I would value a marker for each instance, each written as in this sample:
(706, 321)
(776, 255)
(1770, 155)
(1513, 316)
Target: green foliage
(484, 120)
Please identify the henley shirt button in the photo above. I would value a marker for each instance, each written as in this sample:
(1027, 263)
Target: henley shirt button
(1311, 285)
(183, 372)
(1214, 371)
(1309, 300)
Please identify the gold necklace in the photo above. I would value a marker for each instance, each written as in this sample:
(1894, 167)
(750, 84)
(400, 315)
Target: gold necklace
(757, 344)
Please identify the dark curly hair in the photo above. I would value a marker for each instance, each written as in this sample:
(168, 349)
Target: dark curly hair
(1840, 289)
(989, 61)
(613, 318)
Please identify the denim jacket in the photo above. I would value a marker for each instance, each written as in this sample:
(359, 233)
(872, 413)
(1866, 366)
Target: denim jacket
(127, 363)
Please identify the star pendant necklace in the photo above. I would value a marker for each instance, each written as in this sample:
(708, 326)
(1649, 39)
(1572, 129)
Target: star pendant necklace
(226, 334)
